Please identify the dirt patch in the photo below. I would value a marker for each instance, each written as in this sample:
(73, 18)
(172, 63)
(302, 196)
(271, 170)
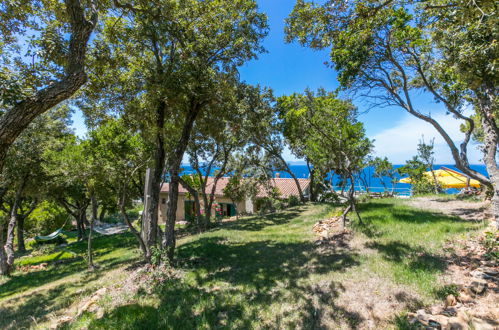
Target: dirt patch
(472, 275)
(472, 211)
(363, 300)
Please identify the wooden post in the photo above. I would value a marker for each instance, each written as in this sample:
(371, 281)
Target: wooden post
(145, 226)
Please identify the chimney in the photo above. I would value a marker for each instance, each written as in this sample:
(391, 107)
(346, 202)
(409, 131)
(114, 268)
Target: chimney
(277, 175)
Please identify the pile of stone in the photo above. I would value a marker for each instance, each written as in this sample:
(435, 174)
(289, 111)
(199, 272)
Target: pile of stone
(29, 268)
(460, 312)
(325, 228)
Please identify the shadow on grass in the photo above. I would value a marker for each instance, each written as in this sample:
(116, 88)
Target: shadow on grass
(232, 282)
(58, 268)
(408, 214)
(416, 258)
(258, 222)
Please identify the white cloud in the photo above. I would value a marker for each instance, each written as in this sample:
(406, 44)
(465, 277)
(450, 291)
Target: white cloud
(399, 142)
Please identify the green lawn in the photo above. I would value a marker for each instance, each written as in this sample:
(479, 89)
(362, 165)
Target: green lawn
(258, 272)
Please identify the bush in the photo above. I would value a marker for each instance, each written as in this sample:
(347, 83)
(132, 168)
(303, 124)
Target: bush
(269, 204)
(329, 197)
(45, 219)
(293, 201)
(491, 244)
(423, 186)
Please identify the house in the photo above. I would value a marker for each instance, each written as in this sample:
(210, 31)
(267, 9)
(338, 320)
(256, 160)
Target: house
(186, 206)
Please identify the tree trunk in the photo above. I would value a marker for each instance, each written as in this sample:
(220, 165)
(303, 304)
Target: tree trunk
(153, 182)
(80, 222)
(145, 249)
(20, 234)
(102, 214)
(313, 194)
(7, 250)
(168, 243)
(197, 204)
(491, 139)
(91, 266)
(297, 182)
(17, 118)
(94, 205)
(211, 200)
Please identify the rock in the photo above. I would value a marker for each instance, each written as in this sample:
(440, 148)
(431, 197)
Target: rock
(451, 311)
(61, 321)
(450, 300)
(99, 313)
(491, 272)
(456, 323)
(479, 324)
(442, 320)
(422, 317)
(89, 304)
(100, 292)
(478, 274)
(464, 298)
(435, 310)
(477, 287)
(463, 316)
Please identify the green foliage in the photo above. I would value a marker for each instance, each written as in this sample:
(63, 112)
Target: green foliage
(491, 244)
(324, 130)
(45, 218)
(444, 291)
(215, 277)
(417, 167)
(420, 183)
(384, 169)
(293, 201)
(390, 52)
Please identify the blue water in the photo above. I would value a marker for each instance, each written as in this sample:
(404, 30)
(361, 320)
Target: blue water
(375, 185)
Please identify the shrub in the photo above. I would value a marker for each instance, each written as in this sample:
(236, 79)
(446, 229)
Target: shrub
(293, 200)
(45, 219)
(491, 244)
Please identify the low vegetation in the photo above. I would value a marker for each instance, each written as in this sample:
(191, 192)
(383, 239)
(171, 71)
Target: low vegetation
(260, 271)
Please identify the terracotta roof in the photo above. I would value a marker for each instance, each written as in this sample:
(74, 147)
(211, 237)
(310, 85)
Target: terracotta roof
(287, 187)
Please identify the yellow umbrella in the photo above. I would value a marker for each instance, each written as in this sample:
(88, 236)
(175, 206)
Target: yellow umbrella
(449, 179)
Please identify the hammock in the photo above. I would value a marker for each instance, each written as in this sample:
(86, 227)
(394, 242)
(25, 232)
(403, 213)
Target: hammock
(111, 230)
(49, 237)
(52, 236)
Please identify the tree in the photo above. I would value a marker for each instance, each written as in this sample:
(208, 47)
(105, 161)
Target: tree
(384, 169)
(415, 168)
(23, 179)
(236, 190)
(465, 33)
(221, 132)
(426, 154)
(119, 155)
(394, 49)
(265, 132)
(54, 68)
(331, 137)
(70, 172)
(170, 61)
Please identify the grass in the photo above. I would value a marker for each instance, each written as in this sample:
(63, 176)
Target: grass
(34, 295)
(258, 272)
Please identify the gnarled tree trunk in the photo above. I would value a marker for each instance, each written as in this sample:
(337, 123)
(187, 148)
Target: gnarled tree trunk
(491, 140)
(17, 118)
(153, 184)
(168, 243)
(7, 249)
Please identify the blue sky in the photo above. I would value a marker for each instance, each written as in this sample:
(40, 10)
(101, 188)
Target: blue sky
(288, 68)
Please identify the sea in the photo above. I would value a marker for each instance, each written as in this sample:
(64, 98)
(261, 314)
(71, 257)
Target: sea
(374, 184)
